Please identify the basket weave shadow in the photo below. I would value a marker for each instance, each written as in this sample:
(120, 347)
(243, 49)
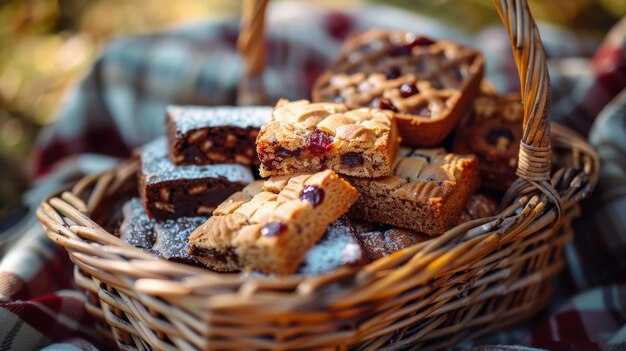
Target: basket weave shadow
(476, 278)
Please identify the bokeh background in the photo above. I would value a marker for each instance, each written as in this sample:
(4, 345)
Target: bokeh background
(46, 46)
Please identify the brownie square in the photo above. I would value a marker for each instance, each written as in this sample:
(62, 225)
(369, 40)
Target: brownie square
(209, 135)
(169, 191)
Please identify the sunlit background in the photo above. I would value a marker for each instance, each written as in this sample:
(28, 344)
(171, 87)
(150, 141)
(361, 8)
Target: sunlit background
(46, 45)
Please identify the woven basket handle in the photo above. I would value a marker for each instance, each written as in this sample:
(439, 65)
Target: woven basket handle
(535, 154)
(251, 45)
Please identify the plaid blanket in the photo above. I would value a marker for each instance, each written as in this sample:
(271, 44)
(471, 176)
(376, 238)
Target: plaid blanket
(120, 102)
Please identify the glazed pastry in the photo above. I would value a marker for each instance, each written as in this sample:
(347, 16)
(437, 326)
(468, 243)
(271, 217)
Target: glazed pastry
(427, 191)
(305, 137)
(429, 84)
(493, 132)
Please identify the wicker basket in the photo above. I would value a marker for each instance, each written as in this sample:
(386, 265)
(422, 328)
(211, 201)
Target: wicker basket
(476, 278)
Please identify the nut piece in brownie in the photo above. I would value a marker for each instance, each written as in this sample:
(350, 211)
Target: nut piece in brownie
(311, 137)
(339, 247)
(429, 84)
(170, 191)
(166, 239)
(379, 240)
(207, 135)
(493, 132)
(426, 193)
(270, 231)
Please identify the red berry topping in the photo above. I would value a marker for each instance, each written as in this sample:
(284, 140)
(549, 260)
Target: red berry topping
(273, 229)
(312, 194)
(318, 142)
(392, 72)
(422, 41)
(383, 104)
(408, 89)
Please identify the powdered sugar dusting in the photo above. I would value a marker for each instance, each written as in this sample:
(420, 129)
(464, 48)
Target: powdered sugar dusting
(157, 167)
(167, 239)
(187, 118)
(338, 247)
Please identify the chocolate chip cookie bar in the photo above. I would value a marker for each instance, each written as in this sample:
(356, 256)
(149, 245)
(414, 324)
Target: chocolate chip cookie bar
(270, 231)
(428, 84)
(208, 135)
(426, 193)
(169, 191)
(493, 132)
(311, 137)
(379, 240)
(167, 239)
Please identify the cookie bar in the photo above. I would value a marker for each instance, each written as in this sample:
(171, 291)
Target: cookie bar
(380, 240)
(169, 191)
(305, 137)
(270, 231)
(429, 84)
(426, 193)
(339, 247)
(208, 135)
(478, 206)
(493, 132)
(166, 239)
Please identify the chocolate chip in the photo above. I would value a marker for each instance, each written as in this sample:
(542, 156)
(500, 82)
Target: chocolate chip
(352, 159)
(312, 194)
(273, 229)
(392, 72)
(318, 142)
(408, 89)
(497, 133)
(282, 152)
(383, 104)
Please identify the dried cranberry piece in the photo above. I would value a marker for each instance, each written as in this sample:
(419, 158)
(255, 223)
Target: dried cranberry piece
(282, 152)
(352, 159)
(422, 41)
(318, 142)
(408, 89)
(383, 104)
(312, 194)
(273, 229)
(392, 72)
(497, 133)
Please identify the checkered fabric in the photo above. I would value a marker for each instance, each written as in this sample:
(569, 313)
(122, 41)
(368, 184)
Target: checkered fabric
(120, 105)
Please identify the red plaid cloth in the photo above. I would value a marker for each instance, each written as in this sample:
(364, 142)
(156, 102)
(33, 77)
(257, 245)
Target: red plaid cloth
(120, 103)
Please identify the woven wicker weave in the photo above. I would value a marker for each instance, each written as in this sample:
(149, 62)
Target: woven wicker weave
(476, 278)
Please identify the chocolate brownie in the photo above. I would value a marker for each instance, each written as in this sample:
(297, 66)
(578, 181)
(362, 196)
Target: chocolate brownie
(339, 247)
(270, 231)
(169, 191)
(208, 135)
(166, 239)
(478, 206)
(379, 240)
(426, 193)
(305, 137)
(429, 84)
(493, 132)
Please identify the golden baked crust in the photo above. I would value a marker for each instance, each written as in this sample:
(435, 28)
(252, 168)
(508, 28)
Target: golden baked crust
(426, 193)
(429, 84)
(271, 229)
(310, 137)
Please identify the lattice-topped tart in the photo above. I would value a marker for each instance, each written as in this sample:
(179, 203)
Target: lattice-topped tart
(428, 83)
